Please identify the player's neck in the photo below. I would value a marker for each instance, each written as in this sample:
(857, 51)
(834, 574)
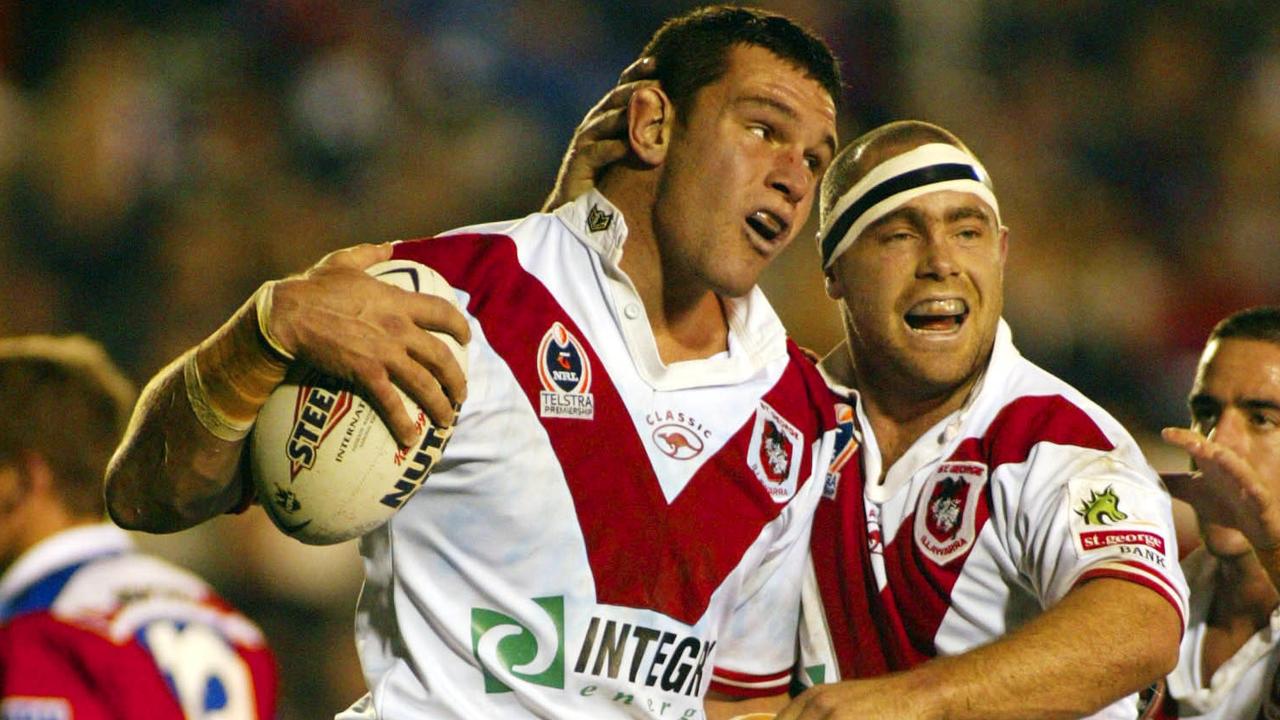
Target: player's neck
(1243, 599)
(687, 318)
(1242, 591)
(898, 413)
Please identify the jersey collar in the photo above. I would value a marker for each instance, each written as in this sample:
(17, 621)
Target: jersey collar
(941, 439)
(756, 335)
(64, 549)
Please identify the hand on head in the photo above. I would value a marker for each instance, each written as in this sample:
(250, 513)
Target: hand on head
(1225, 489)
(600, 139)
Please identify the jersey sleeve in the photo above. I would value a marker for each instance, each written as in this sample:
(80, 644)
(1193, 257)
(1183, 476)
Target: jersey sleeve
(1086, 514)
(756, 650)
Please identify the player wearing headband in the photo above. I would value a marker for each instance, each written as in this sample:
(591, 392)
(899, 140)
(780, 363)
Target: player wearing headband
(998, 512)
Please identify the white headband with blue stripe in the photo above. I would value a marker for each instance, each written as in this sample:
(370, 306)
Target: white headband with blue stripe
(897, 181)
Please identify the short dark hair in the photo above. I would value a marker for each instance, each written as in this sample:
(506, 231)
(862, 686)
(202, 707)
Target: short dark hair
(1256, 323)
(691, 51)
(64, 400)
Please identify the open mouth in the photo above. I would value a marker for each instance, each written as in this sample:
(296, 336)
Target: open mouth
(939, 316)
(767, 225)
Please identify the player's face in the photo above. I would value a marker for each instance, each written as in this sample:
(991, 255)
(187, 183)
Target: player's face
(739, 179)
(922, 291)
(1236, 401)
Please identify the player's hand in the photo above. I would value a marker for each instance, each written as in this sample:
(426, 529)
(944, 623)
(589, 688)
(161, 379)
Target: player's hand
(346, 323)
(1225, 489)
(875, 699)
(601, 137)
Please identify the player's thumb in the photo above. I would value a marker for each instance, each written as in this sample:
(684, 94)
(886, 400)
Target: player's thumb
(357, 257)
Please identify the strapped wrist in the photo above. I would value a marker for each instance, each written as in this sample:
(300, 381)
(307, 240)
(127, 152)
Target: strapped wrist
(262, 311)
(229, 376)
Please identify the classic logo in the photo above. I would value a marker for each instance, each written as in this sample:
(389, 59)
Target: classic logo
(947, 510)
(598, 220)
(565, 373)
(316, 413)
(846, 448)
(533, 655)
(774, 453)
(677, 441)
(1101, 508)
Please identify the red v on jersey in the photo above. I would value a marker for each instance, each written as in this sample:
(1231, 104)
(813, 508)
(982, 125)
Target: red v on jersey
(906, 614)
(644, 552)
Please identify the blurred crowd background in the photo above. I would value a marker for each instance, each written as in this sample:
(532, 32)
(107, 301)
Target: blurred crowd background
(160, 159)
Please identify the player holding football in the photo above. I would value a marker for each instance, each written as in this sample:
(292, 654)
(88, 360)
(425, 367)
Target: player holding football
(1231, 652)
(993, 514)
(539, 572)
(90, 628)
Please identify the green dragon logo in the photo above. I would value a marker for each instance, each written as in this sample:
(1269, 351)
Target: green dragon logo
(500, 640)
(1101, 508)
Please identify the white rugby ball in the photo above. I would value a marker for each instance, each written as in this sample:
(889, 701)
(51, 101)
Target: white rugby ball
(327, 468)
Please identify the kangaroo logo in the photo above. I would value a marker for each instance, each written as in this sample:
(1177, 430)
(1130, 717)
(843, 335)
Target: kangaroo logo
(1101, 508)
(674, 440)
(502, 643)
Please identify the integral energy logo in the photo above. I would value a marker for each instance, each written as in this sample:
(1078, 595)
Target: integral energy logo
(565, 373)
(533, 655)
(622, 661)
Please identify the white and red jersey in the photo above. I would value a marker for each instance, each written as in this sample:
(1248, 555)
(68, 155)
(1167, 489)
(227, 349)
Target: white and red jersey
(1239, 686)
(606, 535)
(989, 519)
(90, 629)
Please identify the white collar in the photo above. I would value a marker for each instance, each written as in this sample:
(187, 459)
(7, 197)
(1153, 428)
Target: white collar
(756, 335)
(63, 549)
(940, 439)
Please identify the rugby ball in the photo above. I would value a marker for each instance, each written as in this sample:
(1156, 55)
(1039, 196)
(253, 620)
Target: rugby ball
(326, 468)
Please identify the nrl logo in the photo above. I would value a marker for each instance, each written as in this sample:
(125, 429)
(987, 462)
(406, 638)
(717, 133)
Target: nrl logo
(598, 220)
(1101, 508)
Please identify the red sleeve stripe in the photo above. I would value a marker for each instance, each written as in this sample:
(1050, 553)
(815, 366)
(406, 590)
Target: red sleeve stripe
(1156, 583)
(745, 680)
(749, 686)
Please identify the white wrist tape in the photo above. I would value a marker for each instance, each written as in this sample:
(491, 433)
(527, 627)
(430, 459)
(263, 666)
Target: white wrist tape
(213, 419)
(262, 308)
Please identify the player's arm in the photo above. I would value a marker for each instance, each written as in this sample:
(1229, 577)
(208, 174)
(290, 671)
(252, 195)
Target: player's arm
(600, 139)
(720, 706)
(1106, 639)
(178, 463)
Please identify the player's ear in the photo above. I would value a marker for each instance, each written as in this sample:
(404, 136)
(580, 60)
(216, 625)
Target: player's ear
(835, 288)
(650, 116)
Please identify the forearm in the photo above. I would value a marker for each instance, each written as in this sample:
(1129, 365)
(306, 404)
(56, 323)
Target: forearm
(171, 471)
(1105, 640)
(723, 707)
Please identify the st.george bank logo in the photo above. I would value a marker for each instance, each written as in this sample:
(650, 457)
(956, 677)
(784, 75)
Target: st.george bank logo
(316, 412)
